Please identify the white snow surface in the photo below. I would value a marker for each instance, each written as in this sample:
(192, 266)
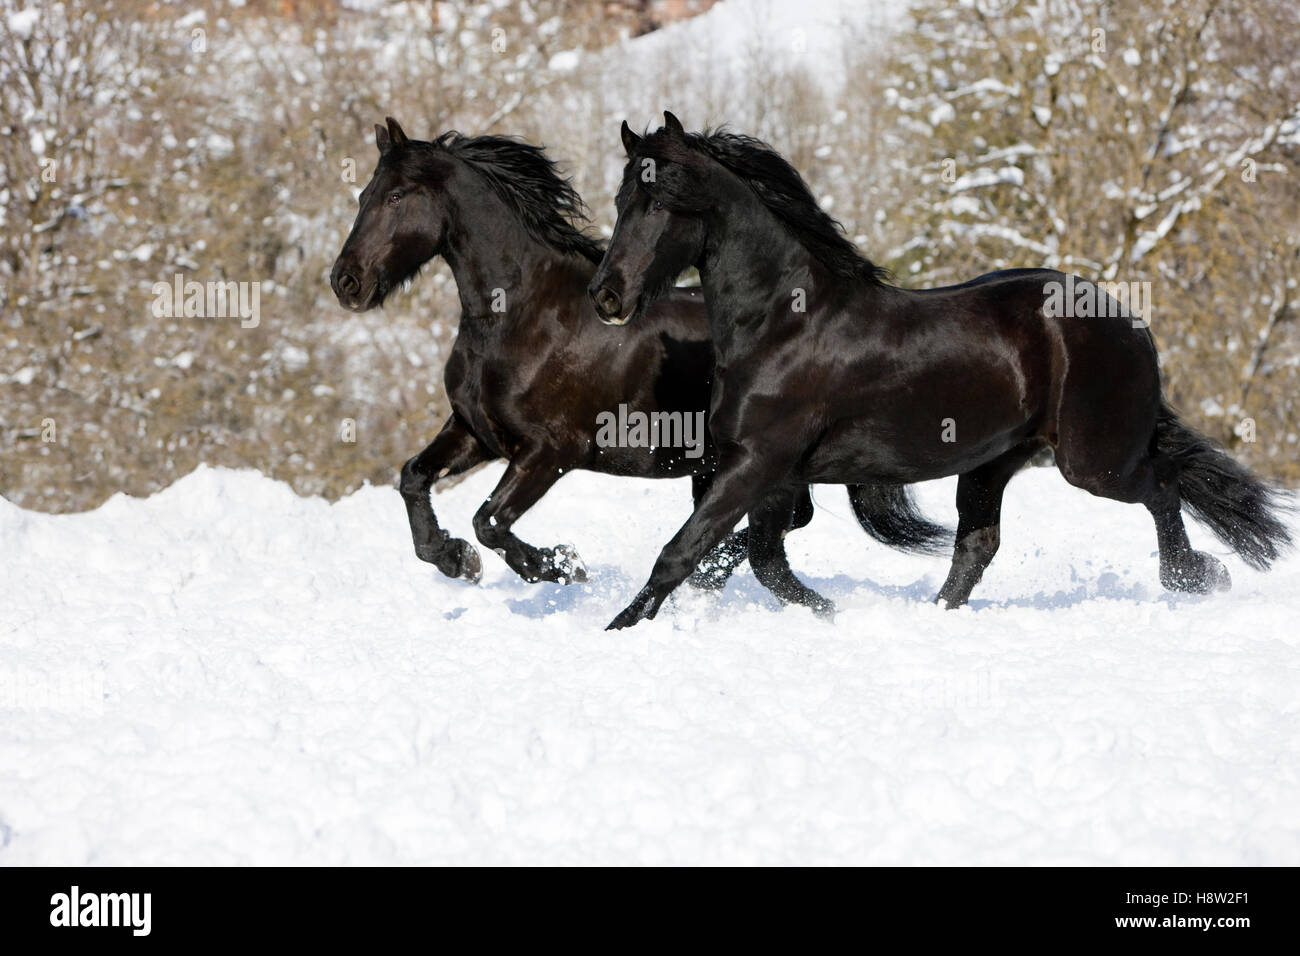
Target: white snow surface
(226, 673)
(733, 37)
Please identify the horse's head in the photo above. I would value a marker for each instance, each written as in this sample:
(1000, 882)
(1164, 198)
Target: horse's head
(401, 223)
(661, 225)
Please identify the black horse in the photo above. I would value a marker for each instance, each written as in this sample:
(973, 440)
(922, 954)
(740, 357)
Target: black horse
(826, 373)
(531, 370)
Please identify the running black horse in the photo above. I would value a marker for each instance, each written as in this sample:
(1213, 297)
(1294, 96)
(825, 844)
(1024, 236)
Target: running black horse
(827, 373)
(531, 369)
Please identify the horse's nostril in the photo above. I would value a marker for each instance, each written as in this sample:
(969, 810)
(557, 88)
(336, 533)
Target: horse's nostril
(608, 302)
(348, 284)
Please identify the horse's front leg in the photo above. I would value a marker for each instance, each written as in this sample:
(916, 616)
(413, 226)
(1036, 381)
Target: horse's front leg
(453, 452)
(742, 480)
(528, 477)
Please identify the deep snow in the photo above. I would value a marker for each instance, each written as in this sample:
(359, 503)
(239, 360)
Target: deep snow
(227, 673)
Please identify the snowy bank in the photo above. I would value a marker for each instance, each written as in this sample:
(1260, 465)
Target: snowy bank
(227, 673)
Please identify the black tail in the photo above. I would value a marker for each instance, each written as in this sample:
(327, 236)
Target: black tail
(1242, 511)
(888, 514)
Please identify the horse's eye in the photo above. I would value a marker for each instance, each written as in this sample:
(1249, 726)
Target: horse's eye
(658, 205)
(394, 198)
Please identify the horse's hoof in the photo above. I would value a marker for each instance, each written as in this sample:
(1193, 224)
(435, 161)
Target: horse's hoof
(950, 602)
(568, 566)
(1218, 577)
(626, 618)
(641, 608)
(455, 558)
(1199, 573)
(471, 565)
(824, 609)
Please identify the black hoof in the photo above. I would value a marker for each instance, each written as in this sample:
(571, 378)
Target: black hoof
(824, 608)
(470, 565)
(568, 566)
(949, 599)
(1196, 573)
(644, 607)
(455, 558)
(558, 565)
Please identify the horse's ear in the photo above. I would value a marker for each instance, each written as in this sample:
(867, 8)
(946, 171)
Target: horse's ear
(395, 131)
(673, 124)
(382, 140)
(630, 139)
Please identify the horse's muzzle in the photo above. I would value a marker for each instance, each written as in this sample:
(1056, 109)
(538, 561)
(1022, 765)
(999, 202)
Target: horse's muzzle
(347, 289)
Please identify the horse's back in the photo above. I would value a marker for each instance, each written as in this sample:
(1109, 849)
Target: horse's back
(994, 278)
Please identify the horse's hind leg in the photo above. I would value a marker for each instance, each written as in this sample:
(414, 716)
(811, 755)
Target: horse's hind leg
(1153, 481)
(802, 514)
(1181, 567)
(454, 451)
(527, 478)
(979, 516)
(1108, 446)
(779, 512)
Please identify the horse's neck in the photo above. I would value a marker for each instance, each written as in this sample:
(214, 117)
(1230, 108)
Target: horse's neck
(497, 267)
(751, 267)
(755, 273)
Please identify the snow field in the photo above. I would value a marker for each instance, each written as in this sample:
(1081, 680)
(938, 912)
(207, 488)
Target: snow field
(226, 673)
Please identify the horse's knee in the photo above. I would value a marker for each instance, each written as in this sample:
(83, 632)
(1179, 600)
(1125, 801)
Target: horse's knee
(413, 481)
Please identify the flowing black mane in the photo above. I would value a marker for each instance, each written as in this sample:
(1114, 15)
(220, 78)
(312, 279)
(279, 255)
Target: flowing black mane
(527, 181)
(780, 187)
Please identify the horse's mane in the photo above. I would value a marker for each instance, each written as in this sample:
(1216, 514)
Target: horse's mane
(781, 189)
(529, 183)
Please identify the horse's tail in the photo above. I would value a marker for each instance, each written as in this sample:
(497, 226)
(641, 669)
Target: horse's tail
(888, 513)
(1242, 511)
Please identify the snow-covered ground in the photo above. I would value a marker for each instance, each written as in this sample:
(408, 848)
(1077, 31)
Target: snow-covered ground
(227, 673)
(733, 35)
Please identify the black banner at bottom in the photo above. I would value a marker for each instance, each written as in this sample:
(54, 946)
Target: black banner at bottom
(336, 907)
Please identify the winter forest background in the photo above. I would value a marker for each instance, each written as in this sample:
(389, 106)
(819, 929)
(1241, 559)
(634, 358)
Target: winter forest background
(1154, 141)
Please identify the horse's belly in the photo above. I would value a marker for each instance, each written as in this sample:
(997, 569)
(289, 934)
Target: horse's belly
(644, 462)
(859, 450)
